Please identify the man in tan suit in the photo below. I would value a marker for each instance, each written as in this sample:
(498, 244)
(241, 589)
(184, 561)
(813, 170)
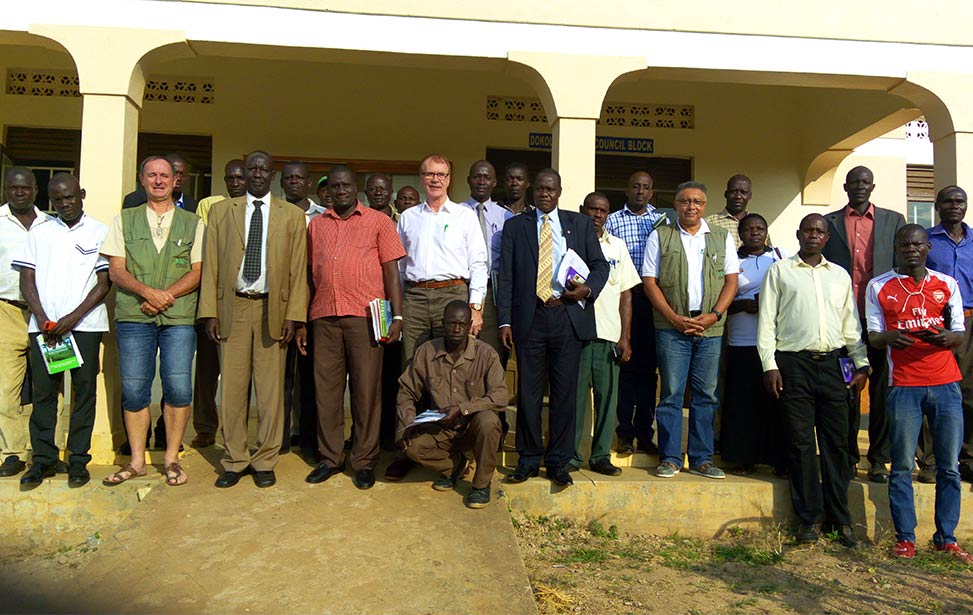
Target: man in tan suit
(254, 299)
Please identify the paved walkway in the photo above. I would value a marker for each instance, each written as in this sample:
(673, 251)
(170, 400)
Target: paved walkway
(298, 548)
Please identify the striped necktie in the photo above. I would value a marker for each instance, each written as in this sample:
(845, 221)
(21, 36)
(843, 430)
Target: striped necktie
(545, 261)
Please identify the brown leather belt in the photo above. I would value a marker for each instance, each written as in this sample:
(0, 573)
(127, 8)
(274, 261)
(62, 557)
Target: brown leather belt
(20, 305)
(252, 295)
(438, 283)
(967, 312)
(552, 302)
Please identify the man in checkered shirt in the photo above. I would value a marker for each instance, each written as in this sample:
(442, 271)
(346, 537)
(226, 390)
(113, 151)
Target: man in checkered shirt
(636, 381)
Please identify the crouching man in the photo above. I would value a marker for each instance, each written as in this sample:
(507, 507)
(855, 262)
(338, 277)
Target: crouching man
(461, 377)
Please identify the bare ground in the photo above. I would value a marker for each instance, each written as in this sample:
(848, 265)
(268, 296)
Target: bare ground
(577, 569)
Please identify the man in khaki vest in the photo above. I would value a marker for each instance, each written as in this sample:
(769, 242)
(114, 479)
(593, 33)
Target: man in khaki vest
(154, 256)
(690, 275)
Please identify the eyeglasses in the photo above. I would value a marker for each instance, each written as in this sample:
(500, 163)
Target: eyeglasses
(432, 174)
(696, 202)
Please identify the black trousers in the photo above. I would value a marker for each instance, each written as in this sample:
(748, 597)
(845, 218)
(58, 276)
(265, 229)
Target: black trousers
(752, 430)
(815, 396)
(637, 378)
(43, 418)
(550, 354)
(879, 445)
(391, 370)
(299, 394)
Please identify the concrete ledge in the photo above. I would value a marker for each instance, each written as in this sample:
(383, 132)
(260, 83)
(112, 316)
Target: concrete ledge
(694, 506)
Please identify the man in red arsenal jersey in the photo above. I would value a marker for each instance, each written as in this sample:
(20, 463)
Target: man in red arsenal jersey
(916, 314)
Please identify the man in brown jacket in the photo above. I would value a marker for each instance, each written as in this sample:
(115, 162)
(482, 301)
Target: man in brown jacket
(460, 377)
(254, 300)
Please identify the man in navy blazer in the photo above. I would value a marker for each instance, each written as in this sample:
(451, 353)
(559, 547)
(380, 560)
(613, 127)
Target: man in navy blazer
(547, 322)
(862, 240)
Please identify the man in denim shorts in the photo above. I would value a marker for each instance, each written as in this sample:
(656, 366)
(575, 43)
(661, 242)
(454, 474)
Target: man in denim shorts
(155, 257)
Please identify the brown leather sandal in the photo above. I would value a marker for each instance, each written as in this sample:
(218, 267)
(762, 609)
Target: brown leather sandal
(117, 478)
(173, 473)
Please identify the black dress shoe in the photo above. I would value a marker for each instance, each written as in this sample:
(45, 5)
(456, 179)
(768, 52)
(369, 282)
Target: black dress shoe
(35, 476)
(323, 472)
(398, 469)
(78, 477)
(264, 478)
(12, 466)
(846, 536)
(364, 479)
(560, 476)
(625, 446)
(229, 478)
(605, 466)
(806, 534)
(522, 473)
(478, 498)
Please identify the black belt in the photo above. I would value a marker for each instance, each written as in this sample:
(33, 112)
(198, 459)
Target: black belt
(819, 356)
(20, 305)
(552, 302)
(695, 313)
(252, 295)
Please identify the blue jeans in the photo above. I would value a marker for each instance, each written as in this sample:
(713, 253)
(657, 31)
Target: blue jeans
(138, 345)
(943, 407)
(694, 359)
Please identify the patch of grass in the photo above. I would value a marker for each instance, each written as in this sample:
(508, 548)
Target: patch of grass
(736, 531)
(598, 530)
(746, 554)
(681, 553)
(585, 556)
(635, 552)
(555, 599)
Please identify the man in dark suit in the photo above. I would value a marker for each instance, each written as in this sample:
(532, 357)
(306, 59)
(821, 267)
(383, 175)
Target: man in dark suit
(862, 241)
(547, 321)
(181, 199)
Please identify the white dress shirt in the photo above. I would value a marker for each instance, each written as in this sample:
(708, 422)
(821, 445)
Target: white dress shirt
(695, 248)
(13, 236)
(444, 245)
(65, 261)
(260, 284)
(312, 212)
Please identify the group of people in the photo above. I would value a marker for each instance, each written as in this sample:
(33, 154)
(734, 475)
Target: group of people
(276, 293)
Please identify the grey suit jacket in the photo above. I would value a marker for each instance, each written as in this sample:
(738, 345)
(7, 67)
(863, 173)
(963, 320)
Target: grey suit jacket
(838, 251)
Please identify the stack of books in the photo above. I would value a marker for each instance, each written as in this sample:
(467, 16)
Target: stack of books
(381, 315)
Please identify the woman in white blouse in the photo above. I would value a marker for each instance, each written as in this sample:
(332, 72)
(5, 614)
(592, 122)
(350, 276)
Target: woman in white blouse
(751, 429)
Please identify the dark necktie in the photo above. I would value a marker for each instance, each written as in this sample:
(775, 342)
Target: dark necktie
(251, 262)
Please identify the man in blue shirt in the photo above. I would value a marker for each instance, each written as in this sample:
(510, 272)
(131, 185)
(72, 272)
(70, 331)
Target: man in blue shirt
(952, 254)
(636, 380)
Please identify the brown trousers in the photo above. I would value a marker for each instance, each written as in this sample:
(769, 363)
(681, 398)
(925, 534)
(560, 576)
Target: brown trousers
(440, 449)
(343, 347)
(251, 354)
(205, 415)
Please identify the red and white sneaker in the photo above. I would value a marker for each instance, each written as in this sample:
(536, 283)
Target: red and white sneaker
(954, 549)
(904, 548)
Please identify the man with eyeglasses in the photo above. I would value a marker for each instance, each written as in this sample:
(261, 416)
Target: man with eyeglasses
(689, 273)
(254, 300)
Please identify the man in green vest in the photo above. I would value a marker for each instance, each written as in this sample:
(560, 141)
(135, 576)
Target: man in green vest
(155, 258)
(689, 274)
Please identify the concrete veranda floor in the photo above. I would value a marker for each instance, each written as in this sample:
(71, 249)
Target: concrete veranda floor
(292, 548)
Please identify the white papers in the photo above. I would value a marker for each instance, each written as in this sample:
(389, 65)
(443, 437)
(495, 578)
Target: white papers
(429, 416)
(573, 269)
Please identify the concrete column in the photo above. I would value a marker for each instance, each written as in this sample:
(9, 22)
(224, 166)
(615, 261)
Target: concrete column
(109, 63)
(953, 154)
(573, 92)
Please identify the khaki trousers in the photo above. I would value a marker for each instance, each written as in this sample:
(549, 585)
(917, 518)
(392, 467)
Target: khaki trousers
(422, 314)
(440, 449)
(14, 418)
(343, 346)
(251, 354)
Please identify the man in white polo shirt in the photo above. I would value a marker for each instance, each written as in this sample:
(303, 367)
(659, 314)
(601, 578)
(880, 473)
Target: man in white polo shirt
(64, 280)
(17, 216)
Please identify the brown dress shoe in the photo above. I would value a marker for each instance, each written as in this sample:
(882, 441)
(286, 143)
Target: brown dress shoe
(202, 440)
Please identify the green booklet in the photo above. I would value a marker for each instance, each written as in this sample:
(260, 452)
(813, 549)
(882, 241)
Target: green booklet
(62, 356)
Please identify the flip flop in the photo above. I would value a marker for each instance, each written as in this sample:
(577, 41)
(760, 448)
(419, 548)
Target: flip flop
(173, 473)
(117, 478)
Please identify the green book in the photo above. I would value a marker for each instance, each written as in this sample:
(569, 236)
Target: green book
(62, 356)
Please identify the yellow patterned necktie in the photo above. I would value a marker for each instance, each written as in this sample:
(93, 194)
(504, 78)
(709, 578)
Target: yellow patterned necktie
(545, 261)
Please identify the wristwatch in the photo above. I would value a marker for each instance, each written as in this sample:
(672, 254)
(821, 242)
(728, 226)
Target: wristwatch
(719, 314)
(477, 306)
